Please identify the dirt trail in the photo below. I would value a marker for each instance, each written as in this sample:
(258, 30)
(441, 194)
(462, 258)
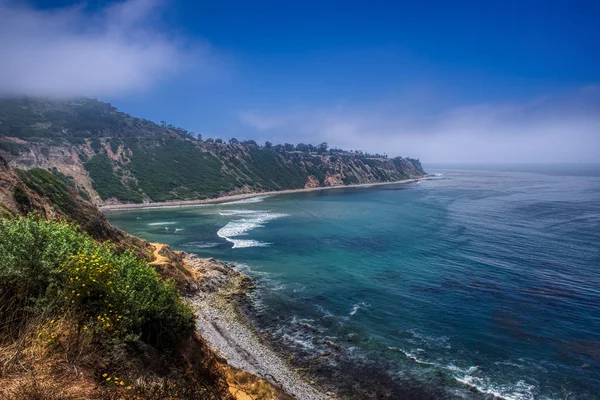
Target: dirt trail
(158, 258)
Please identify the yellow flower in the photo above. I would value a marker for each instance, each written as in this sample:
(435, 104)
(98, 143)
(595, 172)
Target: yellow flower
(122, 383)
(108, 379)
(104, 375)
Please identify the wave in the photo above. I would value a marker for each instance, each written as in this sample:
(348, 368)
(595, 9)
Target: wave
(161, 223)
(251, 200)
(357, 307)
(469, 376)
(410, 355)
(200, 245)
(250, 219)
(518, 391)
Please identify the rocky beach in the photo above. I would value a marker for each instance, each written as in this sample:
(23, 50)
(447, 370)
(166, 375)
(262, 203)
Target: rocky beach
(220, 320)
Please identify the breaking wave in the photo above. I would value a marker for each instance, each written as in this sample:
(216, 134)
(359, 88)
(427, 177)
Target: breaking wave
(247, 220)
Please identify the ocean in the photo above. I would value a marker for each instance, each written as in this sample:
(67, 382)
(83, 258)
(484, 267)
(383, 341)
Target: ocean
(479, 282)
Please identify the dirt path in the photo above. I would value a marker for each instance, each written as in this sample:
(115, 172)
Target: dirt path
(158, 258)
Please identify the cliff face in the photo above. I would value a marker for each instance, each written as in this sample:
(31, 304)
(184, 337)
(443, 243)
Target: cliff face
(113, 157)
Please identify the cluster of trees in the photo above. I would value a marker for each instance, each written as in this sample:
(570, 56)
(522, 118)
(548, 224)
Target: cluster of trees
(302, 147)
(322, 148)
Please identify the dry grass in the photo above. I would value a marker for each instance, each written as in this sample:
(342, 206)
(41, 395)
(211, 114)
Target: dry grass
(57, 360)
(245, 386)
(33, 388)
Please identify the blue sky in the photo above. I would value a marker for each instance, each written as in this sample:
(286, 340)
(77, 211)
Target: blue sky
(468, 81)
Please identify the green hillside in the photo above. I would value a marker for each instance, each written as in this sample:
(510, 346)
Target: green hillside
(112, 156)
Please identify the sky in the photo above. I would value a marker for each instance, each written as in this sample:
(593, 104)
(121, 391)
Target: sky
(461, 81)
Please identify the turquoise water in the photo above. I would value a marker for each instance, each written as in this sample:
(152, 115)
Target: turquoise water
(477, 278)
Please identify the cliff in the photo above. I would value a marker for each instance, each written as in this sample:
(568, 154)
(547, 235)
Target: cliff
(49, 350)
(112, 157)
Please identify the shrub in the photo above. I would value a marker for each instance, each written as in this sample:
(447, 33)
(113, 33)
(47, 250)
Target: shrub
(50, 268)
(106, 183)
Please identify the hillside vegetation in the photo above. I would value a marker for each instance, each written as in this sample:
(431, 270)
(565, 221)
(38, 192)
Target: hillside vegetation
(112, 156)
(89, 312)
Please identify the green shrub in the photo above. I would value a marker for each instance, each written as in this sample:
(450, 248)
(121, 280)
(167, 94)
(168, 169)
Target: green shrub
(50, 268)
(96, 145)
(51, 186)
(13, 148)
(106, 183)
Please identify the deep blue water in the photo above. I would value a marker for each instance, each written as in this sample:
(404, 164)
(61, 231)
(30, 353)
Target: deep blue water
(488, 278)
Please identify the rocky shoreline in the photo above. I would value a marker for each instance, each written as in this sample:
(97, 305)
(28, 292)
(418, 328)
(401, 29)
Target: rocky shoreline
(222, 323)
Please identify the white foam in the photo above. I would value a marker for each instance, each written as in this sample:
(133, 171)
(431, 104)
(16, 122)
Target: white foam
(357, 307)
(161, 223)
(250, 219)
(200, 245)
(247, 201)
(518, 391)
(410, 355)
(241, 243)
(226, 213)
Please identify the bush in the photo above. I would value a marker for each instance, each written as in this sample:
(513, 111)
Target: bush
(50, 269)
(106, 183)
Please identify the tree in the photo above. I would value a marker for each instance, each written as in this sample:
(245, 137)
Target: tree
(210, 140)
(268, 144)
(219, 141)
(301, 147)
(250, 143)
(322, 148)
(233, 141)
(288, 147)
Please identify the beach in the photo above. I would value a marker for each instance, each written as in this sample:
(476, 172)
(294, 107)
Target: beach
(222, 323)
(237, 197)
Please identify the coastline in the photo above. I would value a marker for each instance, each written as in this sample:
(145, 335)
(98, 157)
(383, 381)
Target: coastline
(221, 322)
(243, 196)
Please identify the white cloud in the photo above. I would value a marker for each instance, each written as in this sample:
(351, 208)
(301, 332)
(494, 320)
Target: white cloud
(558, 128)
(75, 52)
